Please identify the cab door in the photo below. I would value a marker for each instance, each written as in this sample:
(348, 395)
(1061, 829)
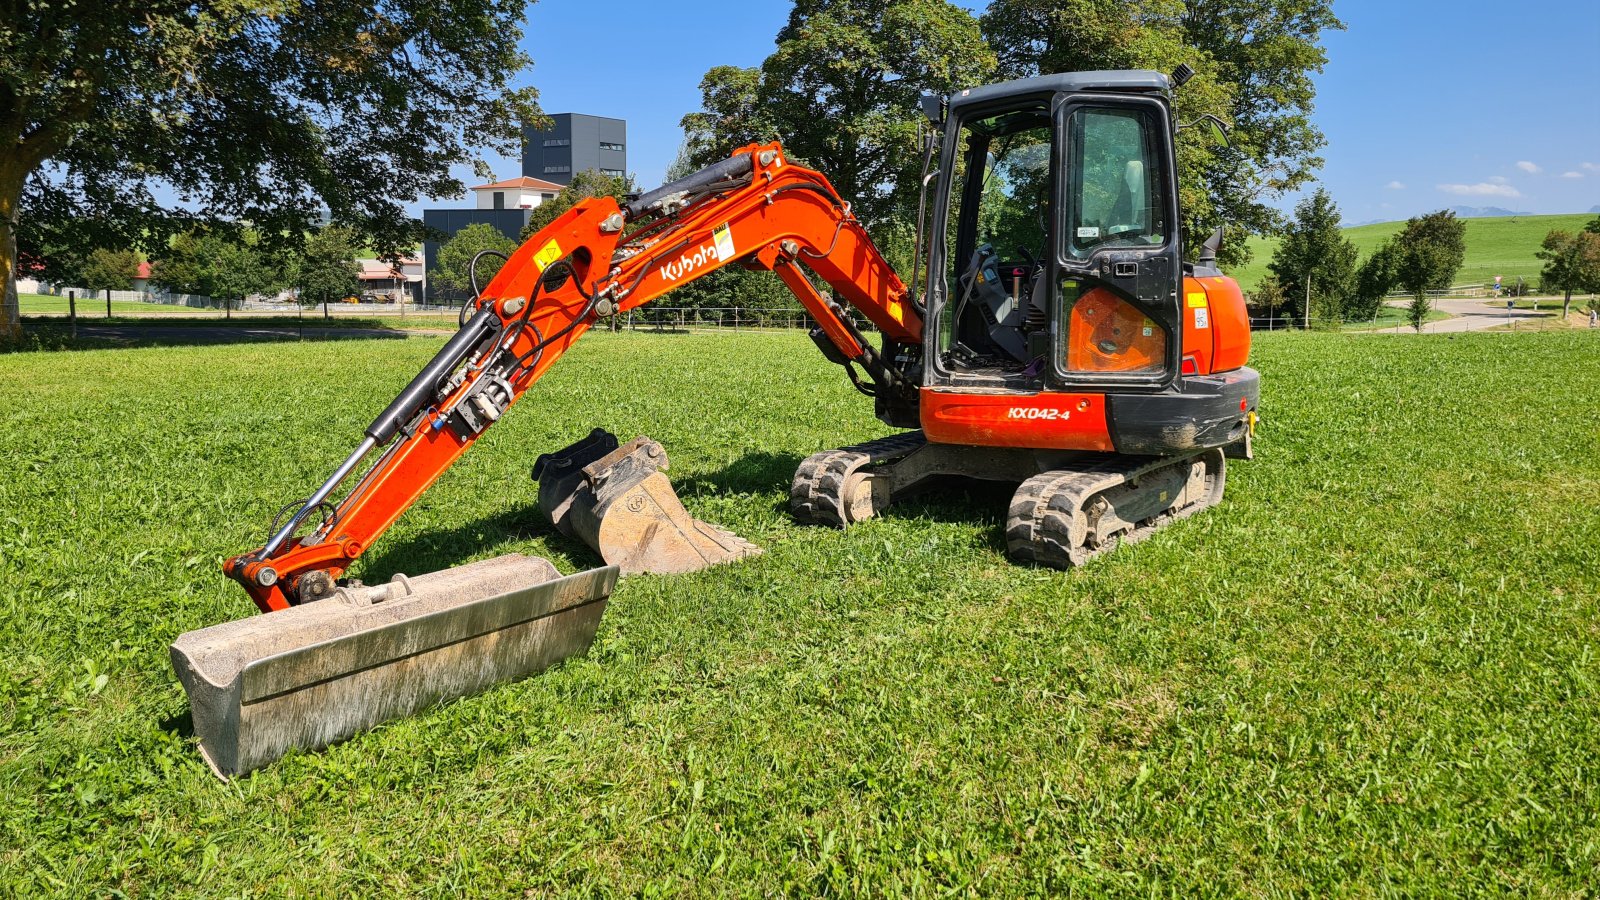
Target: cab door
(1117, 318)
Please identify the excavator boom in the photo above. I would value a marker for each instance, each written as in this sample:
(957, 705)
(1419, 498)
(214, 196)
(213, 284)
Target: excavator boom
(596, 260)
(315, 672)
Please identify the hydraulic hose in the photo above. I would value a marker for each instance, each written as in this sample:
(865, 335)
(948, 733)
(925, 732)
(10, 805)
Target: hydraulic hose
(419, 392)
(734, 167)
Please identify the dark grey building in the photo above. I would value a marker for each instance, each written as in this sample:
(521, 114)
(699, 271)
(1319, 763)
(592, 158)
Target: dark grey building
(508, 221)
(574, 143)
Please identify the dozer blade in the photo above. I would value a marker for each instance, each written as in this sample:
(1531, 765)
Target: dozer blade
(615, 499)
(317, 673)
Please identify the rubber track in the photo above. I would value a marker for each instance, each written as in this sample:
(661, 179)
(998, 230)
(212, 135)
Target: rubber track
(1039, 522)
(816, 497)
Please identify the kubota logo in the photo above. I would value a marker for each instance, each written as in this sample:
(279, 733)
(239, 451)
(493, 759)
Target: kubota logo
(686, 263)
(1034, 412)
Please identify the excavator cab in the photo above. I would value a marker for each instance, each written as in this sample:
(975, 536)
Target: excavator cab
(1054, 257)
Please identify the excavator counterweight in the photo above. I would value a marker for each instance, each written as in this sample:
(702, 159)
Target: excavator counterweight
(1059, 342)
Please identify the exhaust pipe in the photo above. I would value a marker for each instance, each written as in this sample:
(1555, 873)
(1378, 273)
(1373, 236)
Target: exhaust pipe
(318, 673)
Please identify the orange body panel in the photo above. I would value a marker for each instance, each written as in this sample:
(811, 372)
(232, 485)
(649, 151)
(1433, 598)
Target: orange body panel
(1194, 309)
(1040, 421)
(1230, 323)
(1216, 325)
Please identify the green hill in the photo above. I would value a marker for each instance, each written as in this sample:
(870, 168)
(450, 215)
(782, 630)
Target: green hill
(1504, 245)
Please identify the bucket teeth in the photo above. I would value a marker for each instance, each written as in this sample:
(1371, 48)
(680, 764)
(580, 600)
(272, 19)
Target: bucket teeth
(615, 498)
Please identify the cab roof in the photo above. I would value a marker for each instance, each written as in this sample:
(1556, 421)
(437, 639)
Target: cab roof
(1127, 80)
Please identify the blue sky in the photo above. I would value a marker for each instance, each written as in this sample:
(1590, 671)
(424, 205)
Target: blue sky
(1424, 104)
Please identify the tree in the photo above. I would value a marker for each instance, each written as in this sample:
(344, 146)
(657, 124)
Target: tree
(240, 268)
(110, 270)
(584, 185)
(1268, 298)
(451, 274)
(1254, 62)
(261, 112)
(1428, 253)
(1376, 277)
(327, 269)
(1572, 262)
(1315, 262)
(183, 266)
(841, 91)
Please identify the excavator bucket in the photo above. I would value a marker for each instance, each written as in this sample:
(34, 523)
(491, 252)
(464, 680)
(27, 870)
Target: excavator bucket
(320, 672)
(616, 499)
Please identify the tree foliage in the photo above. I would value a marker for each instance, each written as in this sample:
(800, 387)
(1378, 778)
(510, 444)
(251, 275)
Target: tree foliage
(1572, 262)
(185, 265)
(841, 87)
(241, 267)
(261, 112)
(1429, 251)
(106, 269)
(225, 265)
(326, 270)
(1315, 254)
(840, 92)
(1375, 278)
(585, 184)
(452, 272)
(1254, 62)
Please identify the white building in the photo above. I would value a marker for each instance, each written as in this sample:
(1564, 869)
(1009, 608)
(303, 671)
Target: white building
(392, 283)
(522, 192)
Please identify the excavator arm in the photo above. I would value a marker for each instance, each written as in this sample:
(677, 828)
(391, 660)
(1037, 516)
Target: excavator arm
(595, 261)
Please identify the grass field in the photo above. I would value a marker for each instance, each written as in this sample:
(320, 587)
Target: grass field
(1390, 316)
(95, 308)
(1373, 670)
(47, 310)
(1503, 246)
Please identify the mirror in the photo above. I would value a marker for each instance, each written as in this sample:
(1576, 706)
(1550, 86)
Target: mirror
(1215, 127)
(933, 107)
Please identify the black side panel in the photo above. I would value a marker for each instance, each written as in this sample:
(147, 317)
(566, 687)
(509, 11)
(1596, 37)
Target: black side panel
(1196, 413)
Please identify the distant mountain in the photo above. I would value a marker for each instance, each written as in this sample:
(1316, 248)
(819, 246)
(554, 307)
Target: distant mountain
(1484, 212)
(1594, 209)
(1367, 222)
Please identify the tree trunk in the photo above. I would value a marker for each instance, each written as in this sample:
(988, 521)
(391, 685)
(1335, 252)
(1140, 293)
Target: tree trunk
(10, 304)
(1566, 304)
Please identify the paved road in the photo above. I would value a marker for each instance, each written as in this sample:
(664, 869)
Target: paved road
(1469, 315)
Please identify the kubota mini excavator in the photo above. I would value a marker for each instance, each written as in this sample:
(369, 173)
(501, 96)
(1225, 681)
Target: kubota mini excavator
(1059, 342)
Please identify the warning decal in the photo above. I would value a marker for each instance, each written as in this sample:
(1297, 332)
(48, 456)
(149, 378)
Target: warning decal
(724, 241)
(547, 254)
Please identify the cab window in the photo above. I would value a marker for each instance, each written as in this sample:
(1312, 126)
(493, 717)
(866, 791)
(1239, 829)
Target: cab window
(1115, 197)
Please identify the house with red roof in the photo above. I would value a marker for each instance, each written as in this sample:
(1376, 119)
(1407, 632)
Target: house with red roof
(522, 192)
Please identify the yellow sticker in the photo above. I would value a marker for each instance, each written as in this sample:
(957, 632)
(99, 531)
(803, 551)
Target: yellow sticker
(897, 310)
(724, 241)
(547, 254)
(1196, 299)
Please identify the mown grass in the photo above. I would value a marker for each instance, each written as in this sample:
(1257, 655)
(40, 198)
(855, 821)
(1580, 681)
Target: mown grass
(1390, 316)
(1372, 670)
(1501, 245)
(95, 307)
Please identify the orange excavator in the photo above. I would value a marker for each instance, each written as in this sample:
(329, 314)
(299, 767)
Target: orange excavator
(1059, 342)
